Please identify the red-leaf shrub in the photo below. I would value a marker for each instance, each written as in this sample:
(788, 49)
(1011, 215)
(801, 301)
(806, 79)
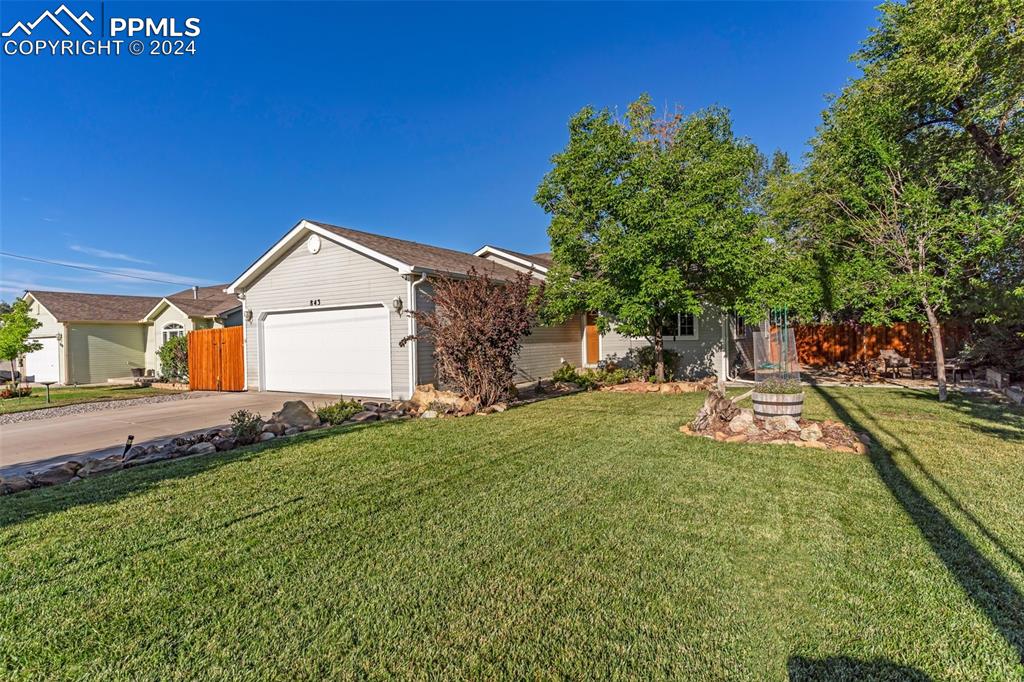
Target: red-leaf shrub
(477, 327)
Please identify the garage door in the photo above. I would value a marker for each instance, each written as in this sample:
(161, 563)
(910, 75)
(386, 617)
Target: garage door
(345, 351)
(44, 364)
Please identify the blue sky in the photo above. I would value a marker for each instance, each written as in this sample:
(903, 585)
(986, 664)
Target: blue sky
(424, 121)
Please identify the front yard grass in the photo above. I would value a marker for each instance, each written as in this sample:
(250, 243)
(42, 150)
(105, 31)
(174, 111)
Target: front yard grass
(74, 394)
(581, 537)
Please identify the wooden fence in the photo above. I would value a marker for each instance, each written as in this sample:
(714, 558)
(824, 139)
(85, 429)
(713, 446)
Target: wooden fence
(827, 344)
(216, 360)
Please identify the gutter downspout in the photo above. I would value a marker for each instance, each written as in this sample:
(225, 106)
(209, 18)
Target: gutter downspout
(411, 308)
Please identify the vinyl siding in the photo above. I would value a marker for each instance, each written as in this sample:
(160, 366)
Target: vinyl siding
(697, 357)
(233, 319)
(547, 348)
(155, 334)
(336, 276)
(98, 352)
(424, 347)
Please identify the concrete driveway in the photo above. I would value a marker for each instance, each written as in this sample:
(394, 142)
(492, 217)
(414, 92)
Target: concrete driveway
(33, 445)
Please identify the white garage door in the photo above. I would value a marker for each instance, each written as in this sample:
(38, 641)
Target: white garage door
(44, 364)
(344, 351)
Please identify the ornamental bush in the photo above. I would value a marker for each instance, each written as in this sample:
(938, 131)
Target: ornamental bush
(336, 413)
(246, 426)
(174, 358)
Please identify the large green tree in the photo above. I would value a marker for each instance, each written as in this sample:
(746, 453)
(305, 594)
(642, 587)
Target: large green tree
(650, 216)
(914, 178)
(15, 326)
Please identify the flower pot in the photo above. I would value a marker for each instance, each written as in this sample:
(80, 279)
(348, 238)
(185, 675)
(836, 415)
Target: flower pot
(775, 404)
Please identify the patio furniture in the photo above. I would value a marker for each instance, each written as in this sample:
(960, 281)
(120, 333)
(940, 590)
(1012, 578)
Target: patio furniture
(893, 363)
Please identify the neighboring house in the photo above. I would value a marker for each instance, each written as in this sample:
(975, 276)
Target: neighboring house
(325, 309)
(90, 338)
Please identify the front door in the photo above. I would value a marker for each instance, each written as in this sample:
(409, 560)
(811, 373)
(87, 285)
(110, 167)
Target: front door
(592, 339)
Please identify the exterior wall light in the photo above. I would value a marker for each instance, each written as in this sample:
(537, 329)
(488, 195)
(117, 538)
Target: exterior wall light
(397, 304)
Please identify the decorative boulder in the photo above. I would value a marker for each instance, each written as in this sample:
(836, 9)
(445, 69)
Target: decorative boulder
(135, 452)
(14, 484)
(226, 443)
(811, 433)
(62, 473)
(267, 435)
(274, 428)
(94, 466)
(202, 449)
(295, 413)
(429, 414)
(742, 421)
(781, 424)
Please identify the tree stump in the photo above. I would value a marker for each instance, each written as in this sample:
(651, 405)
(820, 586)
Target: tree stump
(717, 411)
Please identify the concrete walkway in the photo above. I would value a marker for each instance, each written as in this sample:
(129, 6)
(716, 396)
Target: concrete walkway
(33, 445)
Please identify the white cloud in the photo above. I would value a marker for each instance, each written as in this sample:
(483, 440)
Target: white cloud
(103, 253)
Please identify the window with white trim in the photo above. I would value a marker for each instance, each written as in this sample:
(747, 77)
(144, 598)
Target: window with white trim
(171, 330)
(680, 326)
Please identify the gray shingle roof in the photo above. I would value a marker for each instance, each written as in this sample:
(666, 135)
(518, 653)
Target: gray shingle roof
(210, 301)
(72, 306)
(423, 256)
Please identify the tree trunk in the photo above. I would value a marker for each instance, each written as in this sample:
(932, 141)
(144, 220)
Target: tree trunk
(659, 355)
(14, 381)
(940, 355)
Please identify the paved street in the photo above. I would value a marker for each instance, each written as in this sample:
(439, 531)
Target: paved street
(34, 444)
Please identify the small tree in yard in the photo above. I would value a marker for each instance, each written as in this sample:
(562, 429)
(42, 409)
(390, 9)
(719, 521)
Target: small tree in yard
(15, 326)
(649, 218)
(174, 358)
(477, 327)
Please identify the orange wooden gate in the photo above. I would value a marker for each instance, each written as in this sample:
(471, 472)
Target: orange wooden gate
(215, 360)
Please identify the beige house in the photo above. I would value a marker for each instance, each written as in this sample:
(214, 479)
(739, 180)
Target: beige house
(325, 309)
(91, 338)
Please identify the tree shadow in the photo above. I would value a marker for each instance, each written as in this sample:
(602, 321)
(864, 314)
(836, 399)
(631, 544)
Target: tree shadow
(1001, 420)
(981, 580)
(108, 488)
(842, 668)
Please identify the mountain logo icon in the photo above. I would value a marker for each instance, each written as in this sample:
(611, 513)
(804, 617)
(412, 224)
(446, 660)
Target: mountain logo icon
(68, 15)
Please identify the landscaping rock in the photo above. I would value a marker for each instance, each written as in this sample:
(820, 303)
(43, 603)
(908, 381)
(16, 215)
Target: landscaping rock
(292, 430)
(267, 435)
(135, 452)
(390, 415)
(817, 444)
(781, 424)
(223, 444)
(62, 473)
(365, 416)
(202, 449)
(429, 414)
(94, 466)
(811, 433)
(295, 413)
(14, 484)
(864, 438)
(275, 428)
(742, 422)
(738, 438)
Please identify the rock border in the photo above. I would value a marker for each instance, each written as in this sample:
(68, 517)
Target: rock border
(745, 427)
(293, 418)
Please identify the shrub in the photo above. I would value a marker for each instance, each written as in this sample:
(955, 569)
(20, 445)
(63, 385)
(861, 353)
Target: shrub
(590, 378)
(15, 391)
(477, 329)
(643, 358)
(784, 386)
(246, 426)
(566, 374)
(174, 358)
(336, 413)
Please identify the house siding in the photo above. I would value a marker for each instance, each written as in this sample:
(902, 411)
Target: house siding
(335, 276)
(697, 357)
(50, 328)
(547, 347)
(155, 334)
(98, 352)
(425, 369)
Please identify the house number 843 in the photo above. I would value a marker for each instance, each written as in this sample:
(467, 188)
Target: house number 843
(314, 301)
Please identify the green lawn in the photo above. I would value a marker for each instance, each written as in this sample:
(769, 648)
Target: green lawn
(581, 537)
(67, 396)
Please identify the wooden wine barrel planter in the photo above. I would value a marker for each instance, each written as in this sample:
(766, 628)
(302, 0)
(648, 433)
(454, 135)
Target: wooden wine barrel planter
(775, 404)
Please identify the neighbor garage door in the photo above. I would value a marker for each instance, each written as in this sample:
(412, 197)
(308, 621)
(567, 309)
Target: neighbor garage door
(44, 364)
(343, 351)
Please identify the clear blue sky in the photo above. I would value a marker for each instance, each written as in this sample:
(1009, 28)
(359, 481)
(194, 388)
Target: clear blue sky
(424, 121)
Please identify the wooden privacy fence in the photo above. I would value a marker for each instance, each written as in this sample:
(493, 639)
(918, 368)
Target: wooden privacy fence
(819, 345)
(215, 360)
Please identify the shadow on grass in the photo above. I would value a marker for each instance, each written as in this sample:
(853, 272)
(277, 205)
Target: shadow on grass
(981, 580)
(1001, 420)
(107, 488)
(802, 669)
